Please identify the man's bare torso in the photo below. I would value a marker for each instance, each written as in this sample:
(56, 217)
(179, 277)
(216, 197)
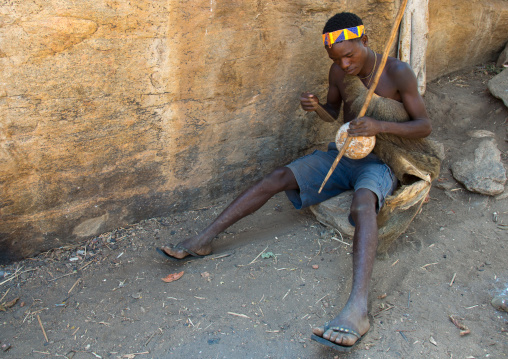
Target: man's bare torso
(385, 88)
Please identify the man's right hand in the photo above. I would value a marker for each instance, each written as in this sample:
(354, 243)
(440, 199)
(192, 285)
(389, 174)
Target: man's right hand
(309, 101)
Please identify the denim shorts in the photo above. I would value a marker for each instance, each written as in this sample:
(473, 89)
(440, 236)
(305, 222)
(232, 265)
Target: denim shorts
(310, 171)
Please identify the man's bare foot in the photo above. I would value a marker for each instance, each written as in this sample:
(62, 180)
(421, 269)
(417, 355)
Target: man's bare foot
(350, 325)
(185, 248)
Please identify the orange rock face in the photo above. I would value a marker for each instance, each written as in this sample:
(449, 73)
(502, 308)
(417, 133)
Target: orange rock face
(115, 111)
(477, 28)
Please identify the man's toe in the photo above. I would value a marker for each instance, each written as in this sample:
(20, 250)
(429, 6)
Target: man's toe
(338, 337)
(318, 331)
(333, 337)
(170, 250)
(346, 340)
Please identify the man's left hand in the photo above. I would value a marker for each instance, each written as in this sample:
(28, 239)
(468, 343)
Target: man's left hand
(364, 126)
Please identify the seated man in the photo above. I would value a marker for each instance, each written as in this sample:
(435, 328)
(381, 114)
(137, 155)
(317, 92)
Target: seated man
(371, 179)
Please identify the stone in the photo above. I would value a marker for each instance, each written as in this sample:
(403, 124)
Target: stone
(90, 227)
(334, 212)
(498, 86)
(399, 210)
(483, 172)
(502, 196)
(447, 186)
(441, 154)
(500, 302)
(502, 60)
(481, 133)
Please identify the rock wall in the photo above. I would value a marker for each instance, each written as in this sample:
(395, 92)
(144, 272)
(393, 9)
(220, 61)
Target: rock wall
(112, 111)
(465, 33)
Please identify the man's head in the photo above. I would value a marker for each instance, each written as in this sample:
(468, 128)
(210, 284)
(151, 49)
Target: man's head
(350, 25)
(346, 42)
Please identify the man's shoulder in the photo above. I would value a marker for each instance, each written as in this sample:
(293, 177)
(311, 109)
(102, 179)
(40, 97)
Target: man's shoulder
(395, 67)
(336, 75)
(336, 70)
(401, 75)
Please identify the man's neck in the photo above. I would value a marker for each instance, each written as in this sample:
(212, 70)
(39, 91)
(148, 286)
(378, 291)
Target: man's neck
(369, 67)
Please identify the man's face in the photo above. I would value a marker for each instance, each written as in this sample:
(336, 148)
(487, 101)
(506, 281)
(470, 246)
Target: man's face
(350, 55)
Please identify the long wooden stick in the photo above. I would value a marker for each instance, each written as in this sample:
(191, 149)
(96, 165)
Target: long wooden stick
(379, 71)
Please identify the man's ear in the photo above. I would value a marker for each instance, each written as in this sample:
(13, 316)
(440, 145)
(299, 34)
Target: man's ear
(365, 40)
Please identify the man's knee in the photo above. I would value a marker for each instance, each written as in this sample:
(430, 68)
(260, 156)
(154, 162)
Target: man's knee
(281, 179)
(364, 202)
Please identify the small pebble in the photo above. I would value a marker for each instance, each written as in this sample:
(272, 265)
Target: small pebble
(500, 303)
(315, 266)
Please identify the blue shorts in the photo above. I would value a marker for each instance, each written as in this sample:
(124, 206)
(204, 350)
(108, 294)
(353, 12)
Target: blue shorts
(310, 171)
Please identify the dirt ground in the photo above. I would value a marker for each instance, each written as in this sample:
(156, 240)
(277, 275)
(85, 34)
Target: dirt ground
(106, 299)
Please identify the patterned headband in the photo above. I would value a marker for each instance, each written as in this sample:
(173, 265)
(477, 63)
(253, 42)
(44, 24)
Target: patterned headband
(331, 38)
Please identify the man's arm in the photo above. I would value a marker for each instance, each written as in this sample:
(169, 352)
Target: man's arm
(310, 102)
(405, 81)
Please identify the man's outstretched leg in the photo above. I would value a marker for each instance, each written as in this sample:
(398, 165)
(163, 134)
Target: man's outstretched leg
(353, 319)
(281, 179)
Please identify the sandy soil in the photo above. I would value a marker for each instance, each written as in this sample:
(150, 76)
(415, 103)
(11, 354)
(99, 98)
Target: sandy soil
(106, 299)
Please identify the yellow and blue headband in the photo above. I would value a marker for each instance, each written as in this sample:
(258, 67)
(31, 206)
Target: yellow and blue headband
(351, 33)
